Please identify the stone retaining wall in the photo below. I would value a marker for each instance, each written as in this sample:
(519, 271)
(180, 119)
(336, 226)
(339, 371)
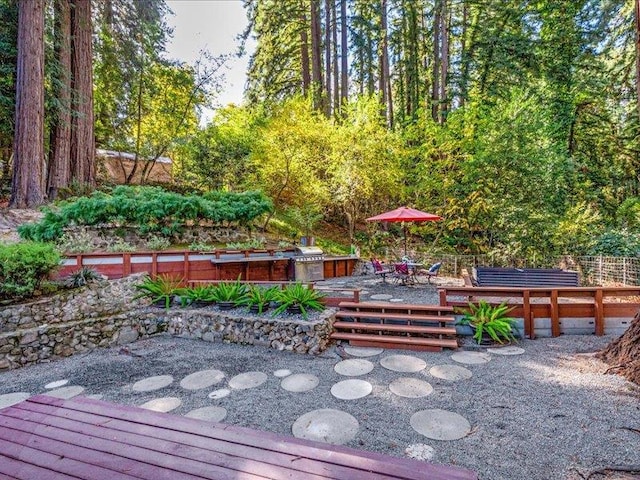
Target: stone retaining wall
(103, 314)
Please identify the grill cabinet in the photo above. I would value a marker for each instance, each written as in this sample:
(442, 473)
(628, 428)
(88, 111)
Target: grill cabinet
(308, 264)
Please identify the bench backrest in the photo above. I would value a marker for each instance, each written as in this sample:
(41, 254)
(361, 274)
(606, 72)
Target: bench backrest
(525, 277)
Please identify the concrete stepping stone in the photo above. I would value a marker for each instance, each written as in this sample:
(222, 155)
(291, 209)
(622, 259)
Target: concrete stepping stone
(9, 399)
(353, 367)
(282, 373)
(96, 396)
(56, 384)
(65, 392)
(364, 292)
(164, 404)
(150, 384)
(326, 425)
(218, 394)
(363, 351)
(403, 363)
(396, 300)
(300, 382)
(202, 379)
(248, 380)
(451, 372)
(209, 414)
(420, 451)
(508, 350)
(381, 296)
(351, 389)
(440, 424)
(471, 358)
(408, 387)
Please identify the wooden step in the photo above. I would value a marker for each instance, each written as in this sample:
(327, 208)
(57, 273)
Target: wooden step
(395, 328)
(396, 316)
(396, 306)
(388, 341)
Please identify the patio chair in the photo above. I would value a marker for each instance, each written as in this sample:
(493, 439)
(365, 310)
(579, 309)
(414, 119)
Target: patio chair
(402, 273)
(433, 271)
(380, 269)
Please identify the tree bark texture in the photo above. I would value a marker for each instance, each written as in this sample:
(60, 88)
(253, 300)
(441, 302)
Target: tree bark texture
(327, 58)
(384, 80)
(334, 52)
(59, 170)
(344, 53)
(304, 55)
(623, 354)
(636, 5)
(28, 144)
(82, 137)
(316, 55)
(444, 62)
(435, 99)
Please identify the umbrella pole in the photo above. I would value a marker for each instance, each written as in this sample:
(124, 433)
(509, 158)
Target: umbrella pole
(404, 226)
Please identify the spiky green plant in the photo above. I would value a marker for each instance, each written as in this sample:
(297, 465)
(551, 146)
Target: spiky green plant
(492, 320)
(301, 296)
(160, 289)
(229, 292)
(200, 293)
(259, 296)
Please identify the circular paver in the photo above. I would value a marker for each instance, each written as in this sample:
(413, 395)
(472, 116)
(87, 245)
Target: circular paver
(450, 372)
(381, 296)
(56, 384)
(440, 424)
(364, 292)
(300, 382)
(410, 387)
(471, 358)
(202, 379)
(209, 414)
(396, 300)
(351, 389)
(66, 392)
(150, 384)
(282, 373)
(403, 363)
(9, 399)
(363, 351)
(164, 404)
(96, 396)
(326, 425)
(221, 393)
(420, 451)
(509, 350)
(248, 380)
(353, 367)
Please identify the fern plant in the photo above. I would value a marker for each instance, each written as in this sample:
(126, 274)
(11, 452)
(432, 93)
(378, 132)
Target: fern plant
(491, 320)
(259, 297)
(159, 290)
(299, 296)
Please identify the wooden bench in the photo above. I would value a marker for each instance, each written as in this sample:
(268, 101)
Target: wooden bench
(525, 277)
(47, 438)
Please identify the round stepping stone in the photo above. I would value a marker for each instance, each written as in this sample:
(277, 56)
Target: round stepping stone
(410, 387)
(353, 367)
(381, 296)
(351, 389)
(218, 394)
(364, 292)
(202, 379)
(282, 373)
(403, 363)
(209, 414)
(9, 399)
(326, 425)
(440, 424)
(509, 350)
(248, 380)
(396, 300)
(56, 384)
(300, 382)
(66, 392)
(96, 396)
(420, 451)
(150, 384)
(363, 351)
(164, 404)
(471, 358)
(450, 372)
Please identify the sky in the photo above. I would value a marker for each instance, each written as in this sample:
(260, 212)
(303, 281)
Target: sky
(212, 25)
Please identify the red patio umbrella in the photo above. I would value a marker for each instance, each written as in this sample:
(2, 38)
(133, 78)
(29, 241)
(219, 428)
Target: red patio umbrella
(405, 214)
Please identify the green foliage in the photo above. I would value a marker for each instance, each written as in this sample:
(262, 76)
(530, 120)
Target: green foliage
(77, 241)
(120, 245)
(491, 320)
(617, 243)
(158, 290)
(150, 209)
(23, 266)
(200, 293)
(260, 297)
(158, 243)
(201, 247)
(231, 292)
(298, 295)
(82, 277)
(254, 243)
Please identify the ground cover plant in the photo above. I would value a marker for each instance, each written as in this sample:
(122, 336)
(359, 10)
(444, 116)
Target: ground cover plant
(24, 266)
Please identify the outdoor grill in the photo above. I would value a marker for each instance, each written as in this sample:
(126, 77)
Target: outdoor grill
(308, 264)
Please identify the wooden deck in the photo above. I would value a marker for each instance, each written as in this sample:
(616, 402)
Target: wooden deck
(46, 438)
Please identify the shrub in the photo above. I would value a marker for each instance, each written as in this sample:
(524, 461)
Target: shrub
(159, 290)
(297, 295)
(23, 266)
(82, 277)
(158, 243)
(486, 319)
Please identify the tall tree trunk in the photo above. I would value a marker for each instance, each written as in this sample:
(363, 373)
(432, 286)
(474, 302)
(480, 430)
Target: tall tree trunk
(327, 58)
(304, 55)
(384, 81)
(28, 144)
(637, 32)
(444, 61)
(463, 52)
(82, 139)
(316, 55)
(435, 99)
(344, 53)
(623, 354)
(59, 170)
(334, 51)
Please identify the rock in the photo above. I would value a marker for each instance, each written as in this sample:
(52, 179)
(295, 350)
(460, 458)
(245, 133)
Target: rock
(127, 335)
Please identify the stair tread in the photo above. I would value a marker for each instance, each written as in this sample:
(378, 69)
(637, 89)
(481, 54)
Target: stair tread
(397, 306)
(398, 316)
(438, 342)
(396, 328)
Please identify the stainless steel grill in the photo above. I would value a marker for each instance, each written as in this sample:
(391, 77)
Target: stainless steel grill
(308, 264)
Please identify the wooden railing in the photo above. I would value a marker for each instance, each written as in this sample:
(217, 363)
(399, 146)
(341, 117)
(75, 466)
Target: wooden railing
(587, 307)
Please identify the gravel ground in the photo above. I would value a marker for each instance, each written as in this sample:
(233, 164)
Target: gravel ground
(550, 413)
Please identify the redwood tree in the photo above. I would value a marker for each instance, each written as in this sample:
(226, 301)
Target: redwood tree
(28, 146)
(623, 354)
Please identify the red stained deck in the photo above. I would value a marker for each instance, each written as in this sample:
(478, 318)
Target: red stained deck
(48, 438)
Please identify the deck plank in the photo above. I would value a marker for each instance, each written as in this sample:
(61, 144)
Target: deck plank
(12, 469)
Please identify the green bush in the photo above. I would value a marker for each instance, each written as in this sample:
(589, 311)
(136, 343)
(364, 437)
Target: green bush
(23, 266)
(617, 243)
(150, 209)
